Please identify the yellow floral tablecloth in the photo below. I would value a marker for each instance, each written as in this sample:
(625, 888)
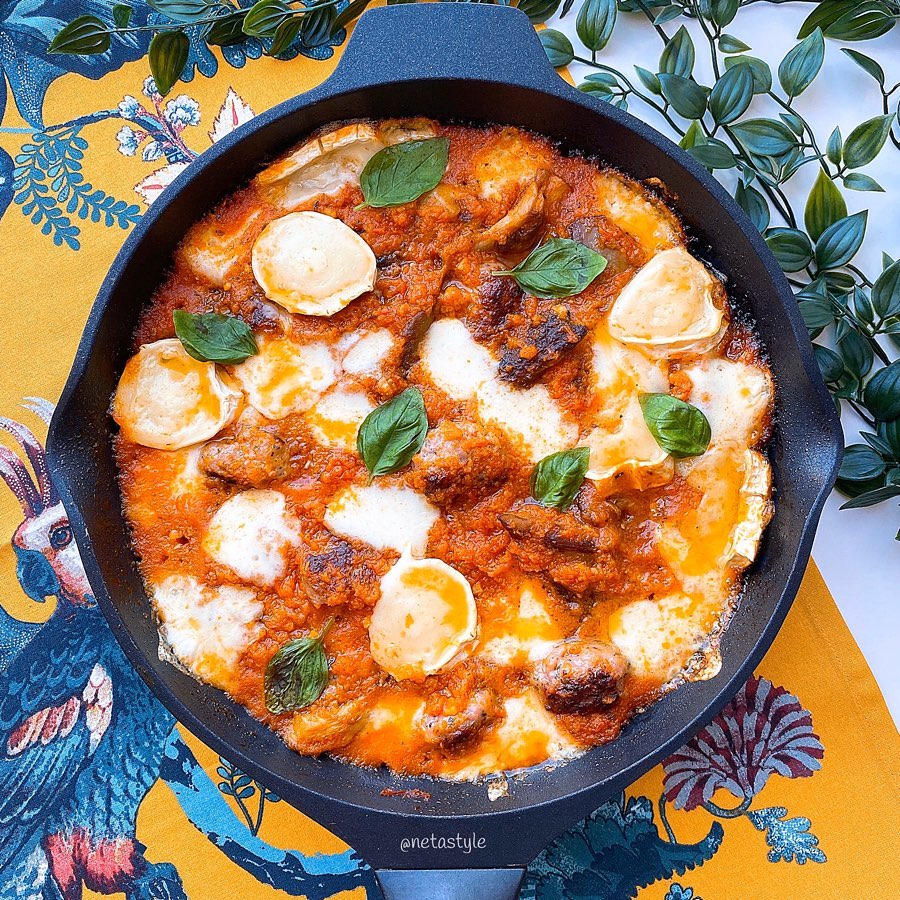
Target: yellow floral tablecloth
(791, 792)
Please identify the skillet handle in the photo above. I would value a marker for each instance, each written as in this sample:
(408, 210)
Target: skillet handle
(450, 884)
(424, 41)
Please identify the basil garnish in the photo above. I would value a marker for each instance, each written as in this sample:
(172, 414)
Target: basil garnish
(679, 428)
(393, 433)
(559, 268)
(297, 674)
(212, 337)
(558, 477)
(403, 172)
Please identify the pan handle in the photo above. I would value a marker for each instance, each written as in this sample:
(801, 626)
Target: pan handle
(450, 884)
(424, 41)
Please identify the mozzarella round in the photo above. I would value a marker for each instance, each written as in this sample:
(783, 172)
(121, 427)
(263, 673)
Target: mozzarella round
(336, 418)
(426, 614)
(251, 534)
(312, 264)
(669, 306)
(168, 400)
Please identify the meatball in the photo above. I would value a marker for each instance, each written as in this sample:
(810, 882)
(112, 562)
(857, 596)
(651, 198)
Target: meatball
(254, 457)
(329, 724)
(336, 575)
(539, 345)
(581, 677)
(602, 235)
(455, 729)
(497, 298)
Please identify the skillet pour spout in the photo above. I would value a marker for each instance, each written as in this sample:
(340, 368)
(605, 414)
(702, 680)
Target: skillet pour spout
(479, 63)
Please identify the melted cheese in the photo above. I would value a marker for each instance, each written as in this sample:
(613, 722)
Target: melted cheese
(207, 628)
(336, 418)
(168, 400)
(527, 636)
(426, 614)
(312, 264)
(365, 352)
(212, 247)
(251, 534)
(509, 161)
(286, 377)
(383, 516)
(465, 370)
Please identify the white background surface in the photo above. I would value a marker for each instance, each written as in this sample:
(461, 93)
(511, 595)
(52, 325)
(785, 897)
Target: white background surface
(854, 549)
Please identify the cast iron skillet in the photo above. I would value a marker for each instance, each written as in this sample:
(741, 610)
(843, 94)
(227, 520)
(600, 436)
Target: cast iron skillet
(477, 63)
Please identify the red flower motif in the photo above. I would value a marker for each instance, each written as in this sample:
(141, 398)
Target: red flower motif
(764, 730)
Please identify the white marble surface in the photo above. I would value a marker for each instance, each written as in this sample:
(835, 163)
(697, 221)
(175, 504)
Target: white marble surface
(855, 549)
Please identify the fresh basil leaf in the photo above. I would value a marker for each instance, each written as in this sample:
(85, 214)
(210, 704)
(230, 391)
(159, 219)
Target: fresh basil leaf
(678, 427)
(121, 14)
(731, 94)
(714, 155)
(840, 242)
(802, 63)
(83, 36)
(728, 43)
(557, 46)
(762, 74)
(764, 137)
(792, 248)
(864, 143)
(595, 22)
(538, 10)
(168, 55)
(649, 80)
(213, 337)
(297, 674)
(264, 17)
(824, 206)
(391, 435)
(685, 95)
(227, 30)
(882, 393)
(886, 292)
(830, 364)
(403, 172)
(185, 11)
(557, 478)
(558, 268)
(867, 64)
(856, 181)
(285, 34)
(754, 204)
(870, 498)
(678, 55)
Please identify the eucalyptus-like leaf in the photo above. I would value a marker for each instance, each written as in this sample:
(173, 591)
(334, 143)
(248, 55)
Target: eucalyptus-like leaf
(731, 94)
(679, 428)
(825, 15)
(315, 25)
(886, 292)
(693, 137)
(121, 14)
(817, 314)
(184, 11)
(794, 122)
(722, 12)
(678, 55)
(830, 364)
(557, 478)
(835, 146)
(557, 46)
(889, 433)
(403, 172)
(870, 498)
(861, 463)
(864, 143)
(824, 206)
(538, 10)
(865, 21)
(714, 155)
(595, 23)
(764, 137)
(213, 337)
(840, 242)
(882, 393)
(649, 80)
(792, 248)
(762, 74)
(168, 55)
(802, 63)
(559, 268)
(857, 181)
(857, 354)
(862, 306)
(688, 99)
(393, 433)
(667, 14)
(867, 64)
(877, 443)
(264, 17)
(754, 204)
(84, 36)
(227, 30)
(297, 674)
(728, 43)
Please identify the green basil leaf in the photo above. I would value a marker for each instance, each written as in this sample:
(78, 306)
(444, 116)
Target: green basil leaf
(730, 44)
(864, 143)
(649, 80)
(168, 55)
(886, 292)
(714, 155)
(264, 17)
(557, 46)
(538, 10)
(391, 435)
(297, 674)
(685, 95)
(870, 498)
(595, 22)
(285, 34)
(762, 74)
(227, 30)
(856, 181)
(678, 427)
(212, 337)
(83, 36)
(731, 94)
(764, 137)
(792, 248)
(185, 11)
(830, 364)
(557, 478)
(867, 64)
(678, 55)
(861, 463)
(882, 393)
(824, 206)
(752, 202)
(558, 268)
(802, 63)
(840, 242)
(403, 172)
(121, 14)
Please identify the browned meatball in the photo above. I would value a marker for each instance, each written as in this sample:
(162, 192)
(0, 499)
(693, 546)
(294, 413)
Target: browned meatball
(498, 297)
(581, 677)
(459, 727)
(336, 575)
(253, 457)
(532, 350)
